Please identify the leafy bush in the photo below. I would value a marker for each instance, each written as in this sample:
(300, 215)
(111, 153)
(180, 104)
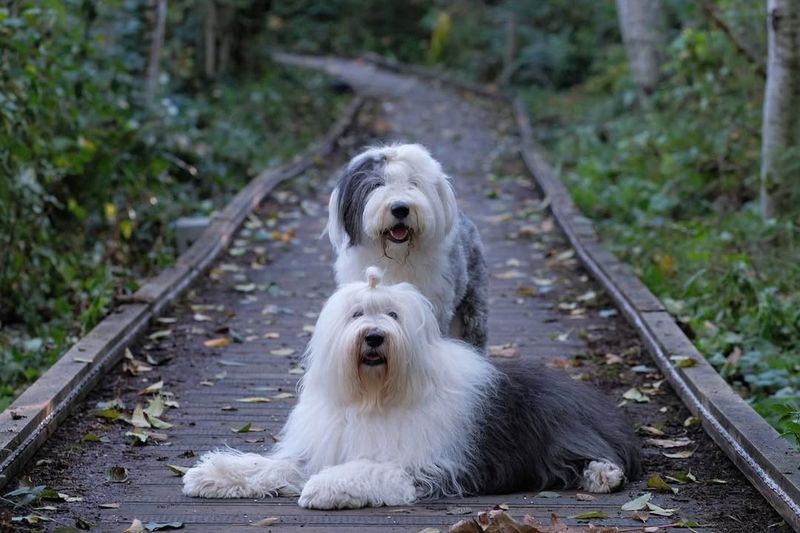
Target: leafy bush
(673, 188)
(90, 180)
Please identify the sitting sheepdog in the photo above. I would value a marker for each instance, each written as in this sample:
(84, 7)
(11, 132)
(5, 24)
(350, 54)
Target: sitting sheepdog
(390, 412)
(394, 207)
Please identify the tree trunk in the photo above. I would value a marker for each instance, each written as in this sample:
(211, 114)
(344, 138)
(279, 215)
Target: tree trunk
(641, 25)
(210, 40)
(781, 97)
(158, 23)
(510, 51)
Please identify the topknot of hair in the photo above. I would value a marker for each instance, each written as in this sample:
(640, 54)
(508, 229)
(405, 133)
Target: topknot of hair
(374, 276)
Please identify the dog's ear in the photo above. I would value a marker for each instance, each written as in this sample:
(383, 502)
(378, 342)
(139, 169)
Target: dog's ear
(447, 195)
(334, 228)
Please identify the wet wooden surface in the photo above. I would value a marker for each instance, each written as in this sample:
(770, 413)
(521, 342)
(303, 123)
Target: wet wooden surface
(264, 294)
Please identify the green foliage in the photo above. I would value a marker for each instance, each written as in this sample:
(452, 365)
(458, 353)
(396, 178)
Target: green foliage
(674, 189)
(90, 180)
(555, 45)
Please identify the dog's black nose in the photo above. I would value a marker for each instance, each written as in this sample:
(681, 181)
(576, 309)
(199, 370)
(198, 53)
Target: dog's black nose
(373, 339)
(400, 210)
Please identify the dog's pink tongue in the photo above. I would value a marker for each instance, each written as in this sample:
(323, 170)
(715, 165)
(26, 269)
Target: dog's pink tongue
(399, 233)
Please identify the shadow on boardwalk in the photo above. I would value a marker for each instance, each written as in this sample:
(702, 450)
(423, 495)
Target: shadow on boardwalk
(240, 331)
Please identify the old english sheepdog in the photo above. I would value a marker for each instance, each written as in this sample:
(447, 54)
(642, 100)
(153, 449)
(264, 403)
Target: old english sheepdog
(390, 412)
(394, 207)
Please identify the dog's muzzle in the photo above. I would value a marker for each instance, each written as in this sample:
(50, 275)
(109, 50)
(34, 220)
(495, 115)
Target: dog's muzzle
(399, 233)
(372, 352)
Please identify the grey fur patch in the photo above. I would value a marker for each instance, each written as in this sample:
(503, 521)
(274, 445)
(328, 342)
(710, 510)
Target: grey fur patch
(539, 429)
(355, 184)
(471, 279)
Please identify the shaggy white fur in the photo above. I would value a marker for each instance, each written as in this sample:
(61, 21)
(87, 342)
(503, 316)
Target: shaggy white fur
(389, 411)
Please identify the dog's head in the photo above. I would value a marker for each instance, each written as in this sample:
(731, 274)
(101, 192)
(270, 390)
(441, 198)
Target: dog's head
(370, 342)
(394, 197)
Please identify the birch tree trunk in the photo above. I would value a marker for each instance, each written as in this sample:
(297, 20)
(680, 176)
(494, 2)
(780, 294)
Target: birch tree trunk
(781, 122)
(158, 22)
(210, 40)
(641, 24)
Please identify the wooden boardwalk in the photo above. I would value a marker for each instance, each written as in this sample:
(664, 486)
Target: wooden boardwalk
(240, 331)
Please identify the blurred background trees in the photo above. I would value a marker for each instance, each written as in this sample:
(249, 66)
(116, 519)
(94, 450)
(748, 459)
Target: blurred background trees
(120, 115)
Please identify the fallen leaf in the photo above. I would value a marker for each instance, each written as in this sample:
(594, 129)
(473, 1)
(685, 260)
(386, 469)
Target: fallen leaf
(660, 511)
(245, 287)
(92, 437)
(591, 514)
(114, 505)
(152, 389)
(582, 497)
(509, 274)
(547, 494)
(244, 429)
(685, 454)
(526, 291)
(637, 503)
(159, 526)
(456, 510)
(507, 351)
(670, 443)
(684, 362)
(200, 317)
(656, 482)
(223, 362)
(109, 414)
(283, 352)
(155, 406)
(635, 395)
(254, 399)
(137, 418)
(650, 430)
(217, 343)
(283, 396)
(641, 516)
(157, 422)
(84, 360)
(117, 474)
(691, 421)
(177, 470)
(613, 359)
(296, 370)
(159, 334)
(135, 527)
(264, 522)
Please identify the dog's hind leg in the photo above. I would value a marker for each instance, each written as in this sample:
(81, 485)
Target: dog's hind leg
(471, 317)
(602, 476)
(232, 474)
(357, 484)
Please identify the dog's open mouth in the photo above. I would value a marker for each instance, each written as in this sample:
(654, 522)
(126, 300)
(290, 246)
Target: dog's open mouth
(398, 233)
(373, 359)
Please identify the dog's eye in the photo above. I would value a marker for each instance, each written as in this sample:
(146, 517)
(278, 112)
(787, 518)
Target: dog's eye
(414, 183)
(392, 314)
(358, 314)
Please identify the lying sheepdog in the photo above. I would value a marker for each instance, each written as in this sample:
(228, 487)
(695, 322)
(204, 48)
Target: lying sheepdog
(394, 207)
(390, 412)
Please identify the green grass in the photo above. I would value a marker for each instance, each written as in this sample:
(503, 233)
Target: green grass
(673, 190)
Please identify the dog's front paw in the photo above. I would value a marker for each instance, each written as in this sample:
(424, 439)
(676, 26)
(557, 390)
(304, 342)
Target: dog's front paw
(602, 477)
(325, 492)
(231, 474)
(206, 480)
